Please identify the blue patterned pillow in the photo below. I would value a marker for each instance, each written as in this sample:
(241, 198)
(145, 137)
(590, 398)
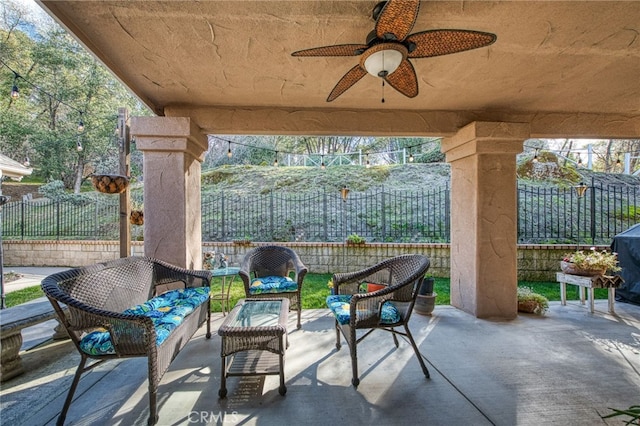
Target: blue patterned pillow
(273, 284)
(339, 305)
(166, 312)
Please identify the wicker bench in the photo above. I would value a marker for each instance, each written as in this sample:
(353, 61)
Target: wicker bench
(113, 311)
(12, 321)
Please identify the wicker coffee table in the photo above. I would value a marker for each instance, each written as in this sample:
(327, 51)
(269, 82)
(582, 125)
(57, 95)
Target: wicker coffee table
(254, 339)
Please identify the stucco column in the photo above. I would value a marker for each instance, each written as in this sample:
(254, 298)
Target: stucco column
(484, 217)
(173, 149)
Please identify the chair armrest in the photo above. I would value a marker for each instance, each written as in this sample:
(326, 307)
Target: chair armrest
(245, 275)
(131, 334)
(349, 282)
(299, 270)
(167, 273)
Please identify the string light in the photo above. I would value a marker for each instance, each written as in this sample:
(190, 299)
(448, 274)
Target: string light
(618, 162)
(579, 160)
(230, 154)
(275, 163)
(15, 93)
(15, 90)
(410, 155)
(79, 144)
(26, 162)
(368, 164)
(535, 157)
(322, 166)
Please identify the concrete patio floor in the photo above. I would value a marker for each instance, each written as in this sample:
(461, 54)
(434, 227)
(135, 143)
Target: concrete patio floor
(565, 368)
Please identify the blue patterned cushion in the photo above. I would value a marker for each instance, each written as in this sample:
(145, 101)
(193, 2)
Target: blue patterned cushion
(339, 305)
(272, 285)
(166, 312)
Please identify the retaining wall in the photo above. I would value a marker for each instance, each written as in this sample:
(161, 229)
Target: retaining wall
(535, 262)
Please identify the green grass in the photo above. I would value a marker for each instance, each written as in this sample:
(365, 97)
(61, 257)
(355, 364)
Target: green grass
(24, 295)
(315, 291)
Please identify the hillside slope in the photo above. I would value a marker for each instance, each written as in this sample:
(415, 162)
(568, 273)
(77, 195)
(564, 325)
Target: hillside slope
(260, 179)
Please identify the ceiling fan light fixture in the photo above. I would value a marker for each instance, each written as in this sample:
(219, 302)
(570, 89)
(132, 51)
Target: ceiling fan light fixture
(383, 63)
(383, 59)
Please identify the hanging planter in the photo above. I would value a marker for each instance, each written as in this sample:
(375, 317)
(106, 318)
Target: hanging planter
(136, 217)
(110, 184)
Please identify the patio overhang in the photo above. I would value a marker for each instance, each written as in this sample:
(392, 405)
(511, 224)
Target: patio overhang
(569, 68)
(557, 69)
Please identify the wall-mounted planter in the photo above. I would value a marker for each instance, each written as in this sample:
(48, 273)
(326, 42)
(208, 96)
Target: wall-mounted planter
(110, 184)
(136, 217)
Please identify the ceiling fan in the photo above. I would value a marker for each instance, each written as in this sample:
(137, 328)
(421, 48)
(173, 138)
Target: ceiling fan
(389, 47)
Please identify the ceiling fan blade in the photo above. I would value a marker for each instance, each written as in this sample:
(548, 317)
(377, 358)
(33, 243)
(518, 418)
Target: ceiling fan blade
(443, 42)
(404, 79)
(337, 50)
(397, 18)
(349, 79)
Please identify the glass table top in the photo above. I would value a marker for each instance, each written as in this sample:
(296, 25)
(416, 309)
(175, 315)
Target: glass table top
(258, 313)
(222, 272)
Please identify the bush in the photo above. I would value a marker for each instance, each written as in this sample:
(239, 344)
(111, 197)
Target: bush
(55, 191)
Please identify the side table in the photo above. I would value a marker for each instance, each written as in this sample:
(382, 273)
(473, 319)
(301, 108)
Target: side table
(599, 281)
(223, 273)
(254, 339)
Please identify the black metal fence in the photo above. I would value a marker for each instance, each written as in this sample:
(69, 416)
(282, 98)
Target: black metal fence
(560, 215)
(391, 216)
(545, 215)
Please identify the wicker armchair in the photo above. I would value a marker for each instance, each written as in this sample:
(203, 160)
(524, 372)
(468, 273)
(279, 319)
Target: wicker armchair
(272, 262)
(96, 297)
(386, 308)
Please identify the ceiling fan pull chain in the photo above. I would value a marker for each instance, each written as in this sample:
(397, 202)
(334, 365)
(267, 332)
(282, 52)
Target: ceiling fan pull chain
(382, 91)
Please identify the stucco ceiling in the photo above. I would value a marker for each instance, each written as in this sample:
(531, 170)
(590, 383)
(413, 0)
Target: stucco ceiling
(568, 68)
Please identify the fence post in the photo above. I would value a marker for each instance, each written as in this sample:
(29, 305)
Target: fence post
(447, 210)
(593, 210)
(222, 217)
(95, 218)
(271, 224)
(58, 220)
(324, 215)
(384, 215)
(22, 219)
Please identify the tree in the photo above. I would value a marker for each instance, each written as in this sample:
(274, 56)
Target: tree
(61, 85)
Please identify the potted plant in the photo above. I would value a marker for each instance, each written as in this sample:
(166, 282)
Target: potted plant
(633, 412)
(426, 298)
(242, 241)
(427, 286)
(355, 240)
(531, 302)
(589, 263)
(208, 260)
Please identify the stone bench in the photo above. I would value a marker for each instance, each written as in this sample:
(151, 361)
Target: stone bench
(12, 321)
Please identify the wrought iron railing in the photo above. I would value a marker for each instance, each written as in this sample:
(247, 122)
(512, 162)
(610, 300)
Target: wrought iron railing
(545, 215)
